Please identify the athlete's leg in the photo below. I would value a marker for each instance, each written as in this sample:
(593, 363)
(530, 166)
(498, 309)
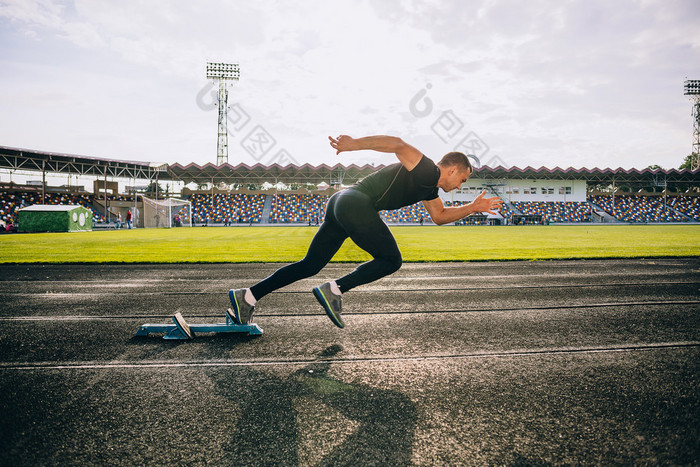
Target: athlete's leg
(325, 244)
(360, 220)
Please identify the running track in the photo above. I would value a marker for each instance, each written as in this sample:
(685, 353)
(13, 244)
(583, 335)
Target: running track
(561, 362)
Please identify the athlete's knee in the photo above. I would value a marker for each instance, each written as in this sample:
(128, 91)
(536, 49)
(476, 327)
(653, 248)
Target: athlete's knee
(393, 262)
(310, 265)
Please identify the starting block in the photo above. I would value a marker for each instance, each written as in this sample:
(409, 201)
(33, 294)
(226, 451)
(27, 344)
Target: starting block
(181, 330)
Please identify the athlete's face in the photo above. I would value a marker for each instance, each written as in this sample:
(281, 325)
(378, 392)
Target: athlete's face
(455, 176)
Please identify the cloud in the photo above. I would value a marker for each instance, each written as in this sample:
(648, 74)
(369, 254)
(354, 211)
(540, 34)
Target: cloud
(33, 12)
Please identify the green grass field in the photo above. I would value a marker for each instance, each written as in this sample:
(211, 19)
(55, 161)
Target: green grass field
(286, 244)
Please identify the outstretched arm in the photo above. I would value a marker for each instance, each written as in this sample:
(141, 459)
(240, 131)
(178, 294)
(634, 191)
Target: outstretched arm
(407, 154)
(440, 214)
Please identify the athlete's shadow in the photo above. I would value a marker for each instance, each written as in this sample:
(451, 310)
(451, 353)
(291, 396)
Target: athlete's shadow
(384, 421)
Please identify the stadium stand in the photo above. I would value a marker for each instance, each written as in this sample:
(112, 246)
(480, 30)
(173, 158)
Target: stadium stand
(570, 211)
(308, 208)
(409, 214)
(227, 208)
(506, 211)
(688, 205)
(538, 195)
(298, 208)
(637, 208)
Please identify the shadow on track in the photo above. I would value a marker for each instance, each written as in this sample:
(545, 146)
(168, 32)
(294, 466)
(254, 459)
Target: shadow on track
(269, 433)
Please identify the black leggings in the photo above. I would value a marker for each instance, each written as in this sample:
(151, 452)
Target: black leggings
(350, 213)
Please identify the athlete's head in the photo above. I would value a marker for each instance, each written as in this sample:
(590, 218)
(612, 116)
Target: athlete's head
(455, 169)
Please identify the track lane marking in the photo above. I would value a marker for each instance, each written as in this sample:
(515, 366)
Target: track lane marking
(373, 313)
(92, 365)
(49, 294)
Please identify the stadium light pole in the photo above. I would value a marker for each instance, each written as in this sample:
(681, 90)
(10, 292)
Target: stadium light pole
(223, 73)
(691, 88)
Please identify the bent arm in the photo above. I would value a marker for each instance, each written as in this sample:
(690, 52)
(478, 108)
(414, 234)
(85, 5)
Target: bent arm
(441, 214)
(407, 154)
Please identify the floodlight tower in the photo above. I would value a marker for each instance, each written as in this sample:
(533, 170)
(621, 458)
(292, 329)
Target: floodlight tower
(691, 89)
(224, 73)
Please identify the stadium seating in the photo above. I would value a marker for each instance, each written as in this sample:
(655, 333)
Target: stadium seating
(506, 211)
(551, 211)
(227, 208)
(407, 214)
(298, 208)
(285, 208)
(688, 205)
(637, 208)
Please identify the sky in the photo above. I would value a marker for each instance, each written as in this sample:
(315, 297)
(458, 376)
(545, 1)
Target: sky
(553, 83)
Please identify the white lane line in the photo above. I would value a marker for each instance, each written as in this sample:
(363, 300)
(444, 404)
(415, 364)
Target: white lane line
(44, 318)
(148, 364)
(68, 295)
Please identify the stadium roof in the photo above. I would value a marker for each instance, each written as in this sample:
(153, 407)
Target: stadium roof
(33, 160)
(594, 175)
(54, 162)
(258, 173)
(347, 175)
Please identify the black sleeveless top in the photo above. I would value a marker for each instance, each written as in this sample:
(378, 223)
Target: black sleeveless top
(394, 187)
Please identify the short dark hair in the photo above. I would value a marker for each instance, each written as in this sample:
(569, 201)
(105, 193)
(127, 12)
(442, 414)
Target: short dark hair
(456, 158)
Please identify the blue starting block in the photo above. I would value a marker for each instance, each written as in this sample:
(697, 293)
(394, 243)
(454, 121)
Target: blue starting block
(181, 330)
